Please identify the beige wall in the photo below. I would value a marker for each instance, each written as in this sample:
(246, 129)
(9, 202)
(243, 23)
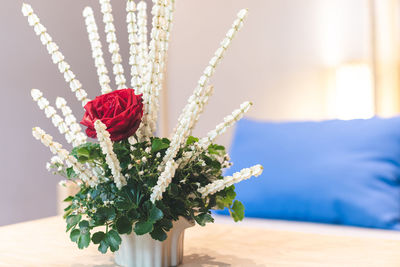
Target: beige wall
(278, 61)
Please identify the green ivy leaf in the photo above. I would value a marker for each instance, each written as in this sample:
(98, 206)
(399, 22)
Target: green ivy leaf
(158, 234)
(113, 240)
(143, 227)
(203, 218)
(123, 225)
(227, 200)
(83, 240)
(103, 247)
(72, 220)
(75, 235)
(155, 214)
(237, 211)
(133, 214)
(104, 214)
(122, 205)
(84, 226)
(98, 237)
(159, 144)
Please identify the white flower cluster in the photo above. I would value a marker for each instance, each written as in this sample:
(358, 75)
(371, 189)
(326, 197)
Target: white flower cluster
(237, 177)
(111, 158)
(79, 137)
(56, 55)
(57, 149)
(113, 46)
(55, 161)
(97, 52)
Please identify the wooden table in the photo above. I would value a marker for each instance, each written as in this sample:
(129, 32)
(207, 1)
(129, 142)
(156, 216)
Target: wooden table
(44, 243)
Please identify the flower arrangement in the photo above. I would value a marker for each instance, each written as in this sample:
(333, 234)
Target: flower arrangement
(131, 180)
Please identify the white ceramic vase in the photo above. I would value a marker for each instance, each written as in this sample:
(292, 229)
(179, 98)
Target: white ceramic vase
(144, 251)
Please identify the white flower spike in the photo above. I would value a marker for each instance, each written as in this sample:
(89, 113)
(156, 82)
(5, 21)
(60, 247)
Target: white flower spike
(134, 59)
(111, 158)
(237, 177)
(113, 46)
(97, 52)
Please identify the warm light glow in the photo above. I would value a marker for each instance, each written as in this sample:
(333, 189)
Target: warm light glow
(354, 92)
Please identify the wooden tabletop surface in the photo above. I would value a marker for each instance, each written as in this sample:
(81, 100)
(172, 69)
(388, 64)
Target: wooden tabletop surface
(45, 243)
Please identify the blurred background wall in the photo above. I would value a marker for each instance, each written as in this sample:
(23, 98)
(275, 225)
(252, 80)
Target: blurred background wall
(286, 60)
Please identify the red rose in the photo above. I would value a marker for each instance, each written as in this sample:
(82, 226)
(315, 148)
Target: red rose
(121, 111)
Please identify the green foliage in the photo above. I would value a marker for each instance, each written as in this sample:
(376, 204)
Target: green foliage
(237, 211)
(129, 209)
(87, 152)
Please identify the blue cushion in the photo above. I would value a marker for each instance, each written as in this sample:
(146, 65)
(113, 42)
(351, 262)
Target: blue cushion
(340, 172)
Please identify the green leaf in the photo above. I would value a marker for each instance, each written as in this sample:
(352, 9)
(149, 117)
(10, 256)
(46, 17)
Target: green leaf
(84, 227)
(87, 152)
(227, 200)
(203, 218)
(103, 246)
(72, 220)
(124, 225)
(98, 237)
(83, 241)
(191, 140)
(83, 152)
(104, 214)
(216, 149)
(155, 214)
(113, 240)
(133, 214)
(121, 149)
(68, 199)
(143, 227)
(70, 173)
(237, 211)
(75, 235)
(159, 144)
(158, 234)
(122, 205)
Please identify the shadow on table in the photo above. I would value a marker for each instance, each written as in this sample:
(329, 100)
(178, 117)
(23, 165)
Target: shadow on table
(217, 260)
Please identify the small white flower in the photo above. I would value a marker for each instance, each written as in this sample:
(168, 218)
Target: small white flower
(130, 166)
(144, 159)
(93, 210)
(141, 173)
(158, 155)
(48, 166)
(148, 150)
